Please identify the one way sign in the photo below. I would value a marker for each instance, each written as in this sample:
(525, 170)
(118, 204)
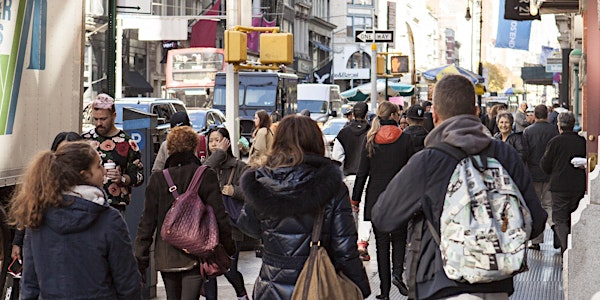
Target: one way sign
(381, 36)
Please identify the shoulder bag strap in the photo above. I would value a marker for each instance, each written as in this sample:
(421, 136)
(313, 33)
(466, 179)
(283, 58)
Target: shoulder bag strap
(195, 183)
(172, 186)
(314, 247)
(231, 175)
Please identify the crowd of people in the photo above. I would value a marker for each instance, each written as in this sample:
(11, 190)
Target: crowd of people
(383, 174)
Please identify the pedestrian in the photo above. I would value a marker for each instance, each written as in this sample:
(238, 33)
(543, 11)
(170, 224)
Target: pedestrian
(567, 182)
(263, 138)
(17, 246)
(179, 270)
(428, 121)
(505, 121)
(386, 151)
(229, 169)
(347, 148)
(115, 146)
(537, 136)
(74, 241)
(275, 118)
(347, 111)
(403, 123)
(553, 114)
(419, 190)
(415, 118)
(521, 121)
(283, 199)
(180, 118)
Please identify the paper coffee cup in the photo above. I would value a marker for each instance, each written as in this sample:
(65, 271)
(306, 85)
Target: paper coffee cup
(110, 165)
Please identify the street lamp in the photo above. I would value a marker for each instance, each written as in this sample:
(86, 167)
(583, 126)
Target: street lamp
(480, 66)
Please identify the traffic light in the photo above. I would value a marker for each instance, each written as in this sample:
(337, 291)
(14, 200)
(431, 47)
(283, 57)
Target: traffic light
(276, 48)
(380, 65)
(236, 47)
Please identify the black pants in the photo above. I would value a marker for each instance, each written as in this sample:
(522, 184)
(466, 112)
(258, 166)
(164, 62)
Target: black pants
(397, 239)
(183, 285)
(233, 276)
(563, 204)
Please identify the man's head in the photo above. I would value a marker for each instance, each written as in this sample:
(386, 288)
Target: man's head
(427, 105)
(523, 106)
(415, 114)
(566, 121)
(540, 112)
(103, 113)
(453, 95)
(360, 110)
(180, 118)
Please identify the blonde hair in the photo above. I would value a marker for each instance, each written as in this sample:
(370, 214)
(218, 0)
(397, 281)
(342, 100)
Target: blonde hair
(384, 112)
(48, 175)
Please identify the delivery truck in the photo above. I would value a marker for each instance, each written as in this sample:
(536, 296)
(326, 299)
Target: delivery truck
(41, 49)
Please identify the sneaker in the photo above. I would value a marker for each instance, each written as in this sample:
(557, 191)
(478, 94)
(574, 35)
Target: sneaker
(534, 247)
(400, 285)
(362, 251)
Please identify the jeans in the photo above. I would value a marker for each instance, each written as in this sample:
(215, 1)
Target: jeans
(397, 239)
(563, 204)
(233, 276)
(183, 285)
(542, 189)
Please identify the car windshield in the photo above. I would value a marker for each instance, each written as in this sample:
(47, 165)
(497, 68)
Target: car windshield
(198, 119)
(314, 106)
(333, 128)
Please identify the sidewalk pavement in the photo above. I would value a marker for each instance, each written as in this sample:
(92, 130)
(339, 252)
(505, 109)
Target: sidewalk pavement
(543, 281)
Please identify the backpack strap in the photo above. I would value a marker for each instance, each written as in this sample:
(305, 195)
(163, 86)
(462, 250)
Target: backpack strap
(414, 263)
(460, 154)
(195, 183)
(455, 152)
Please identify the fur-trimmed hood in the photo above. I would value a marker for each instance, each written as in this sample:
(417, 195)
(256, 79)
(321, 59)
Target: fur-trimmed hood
(292, 190)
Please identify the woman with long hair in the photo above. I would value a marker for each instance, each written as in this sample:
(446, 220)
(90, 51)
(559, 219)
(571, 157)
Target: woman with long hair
(263, 138)
(229, 170)
(387, 150)
(283, 199)
(180, 270)
(76, 245)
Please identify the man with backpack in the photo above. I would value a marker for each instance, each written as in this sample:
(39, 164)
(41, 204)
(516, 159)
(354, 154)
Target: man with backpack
(423, 190)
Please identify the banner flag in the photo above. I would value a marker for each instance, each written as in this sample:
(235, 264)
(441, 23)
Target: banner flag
(512, 34)
(323, 75)
(204, 32)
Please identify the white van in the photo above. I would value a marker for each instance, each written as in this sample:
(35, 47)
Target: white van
(322, 100)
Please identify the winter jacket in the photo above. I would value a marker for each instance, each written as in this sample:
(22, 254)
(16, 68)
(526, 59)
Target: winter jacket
(516, 140)
(352, 140)
(281, 206)
(421, 186)
(417, 135)
(159, 200)
(223, 165)
(81, 250)
(537, 136)
(263, 140)
(564, 177)
(392, 150)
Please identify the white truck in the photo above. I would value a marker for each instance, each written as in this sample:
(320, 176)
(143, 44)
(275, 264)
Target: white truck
(41, 55)
(322, 100)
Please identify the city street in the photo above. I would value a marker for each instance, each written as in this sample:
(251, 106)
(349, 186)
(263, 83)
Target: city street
(543, 281)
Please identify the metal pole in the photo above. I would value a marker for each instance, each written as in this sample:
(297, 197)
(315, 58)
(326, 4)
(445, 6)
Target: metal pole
(110, 48)
(373, 68)
(480, 67)
(413, 68)
(118, 61)
(232, 83)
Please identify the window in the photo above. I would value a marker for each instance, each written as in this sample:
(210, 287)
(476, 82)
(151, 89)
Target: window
(359, 60)
(355, 23)
(360, 2)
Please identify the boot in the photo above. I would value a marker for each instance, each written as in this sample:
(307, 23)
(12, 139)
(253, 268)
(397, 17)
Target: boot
(556, 239)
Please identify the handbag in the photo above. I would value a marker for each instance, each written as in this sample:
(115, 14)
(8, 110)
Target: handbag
(189, 224)
(318, 278)
(232, 206)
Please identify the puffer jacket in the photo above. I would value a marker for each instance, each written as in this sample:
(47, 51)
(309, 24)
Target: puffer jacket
(159, 200)
(517, 141)
(417, 135)
(223, 165)
(422, 186)
(81, 250)
(281, 206)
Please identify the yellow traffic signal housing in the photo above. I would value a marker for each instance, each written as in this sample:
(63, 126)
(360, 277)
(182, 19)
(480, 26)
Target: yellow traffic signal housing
(276, 48)
(380, 65)
(236, 47)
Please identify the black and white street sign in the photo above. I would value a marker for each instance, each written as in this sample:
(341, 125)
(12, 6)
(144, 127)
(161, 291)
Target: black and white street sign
(381, 36)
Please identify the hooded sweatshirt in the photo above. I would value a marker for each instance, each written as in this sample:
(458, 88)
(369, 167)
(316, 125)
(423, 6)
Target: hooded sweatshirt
(352, 140)
(81, 250)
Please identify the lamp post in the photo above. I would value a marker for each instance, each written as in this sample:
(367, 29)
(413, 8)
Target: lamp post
(480, 65)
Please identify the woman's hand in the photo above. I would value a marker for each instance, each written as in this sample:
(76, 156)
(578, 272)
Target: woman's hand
(227, 190)
(224, 144)
(16, 253)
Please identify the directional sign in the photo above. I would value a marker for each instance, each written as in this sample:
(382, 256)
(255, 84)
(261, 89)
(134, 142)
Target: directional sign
(554, 64)
(134, 6)
(381, 36)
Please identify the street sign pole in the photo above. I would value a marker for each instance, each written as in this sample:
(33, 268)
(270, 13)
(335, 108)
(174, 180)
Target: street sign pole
(373, 69)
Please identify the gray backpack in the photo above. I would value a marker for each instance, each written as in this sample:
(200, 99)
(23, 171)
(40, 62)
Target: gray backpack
(485, 223)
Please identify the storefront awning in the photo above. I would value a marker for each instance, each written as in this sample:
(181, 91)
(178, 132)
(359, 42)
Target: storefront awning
(135, 83)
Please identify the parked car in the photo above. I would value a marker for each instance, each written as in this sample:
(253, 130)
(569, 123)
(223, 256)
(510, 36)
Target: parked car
(163, 108)
(204, 119)
(331, 129)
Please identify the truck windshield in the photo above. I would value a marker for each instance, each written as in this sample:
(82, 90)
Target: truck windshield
(250, 95)
(314, 106)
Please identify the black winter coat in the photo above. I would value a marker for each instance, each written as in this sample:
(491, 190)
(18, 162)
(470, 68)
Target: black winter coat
(389, 156)
(417, 135)
(516, 140)
(557, 162)
(352, 139)
(281, 206)
(537, 136)
(421, 186)
(158, 201)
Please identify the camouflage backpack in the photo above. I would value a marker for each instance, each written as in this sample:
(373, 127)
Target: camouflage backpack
(485, 223)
